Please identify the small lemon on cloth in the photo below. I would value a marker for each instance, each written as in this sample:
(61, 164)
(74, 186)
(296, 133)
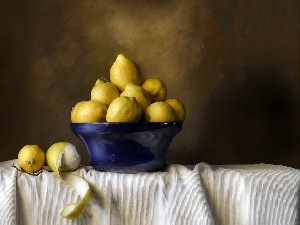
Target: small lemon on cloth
(62, 157)
(31, 158)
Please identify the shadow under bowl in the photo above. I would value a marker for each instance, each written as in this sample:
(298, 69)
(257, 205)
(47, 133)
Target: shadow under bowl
(127, 147)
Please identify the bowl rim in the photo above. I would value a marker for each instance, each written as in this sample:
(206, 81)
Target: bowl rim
(128, 123)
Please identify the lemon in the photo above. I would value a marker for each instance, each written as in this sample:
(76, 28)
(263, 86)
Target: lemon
(100, 81)
(160, 112)
(179, 108)
(63, 156)
(124, 109)
(104, 92)
(31, 158)
(140, 94)
(156, 89)
(124, 71)
(88, 112)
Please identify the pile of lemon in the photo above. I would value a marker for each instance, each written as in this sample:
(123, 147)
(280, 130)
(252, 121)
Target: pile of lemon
(126, 98)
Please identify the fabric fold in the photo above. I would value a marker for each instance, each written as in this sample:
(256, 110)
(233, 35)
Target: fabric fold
(8, 195)
(203, 195)
(252, 194)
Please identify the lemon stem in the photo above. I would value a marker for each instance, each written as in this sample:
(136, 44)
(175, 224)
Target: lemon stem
(31, 162)
(104, 79)
(23, 171)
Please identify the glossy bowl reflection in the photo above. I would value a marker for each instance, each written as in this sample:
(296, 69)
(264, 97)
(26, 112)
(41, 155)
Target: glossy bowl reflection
(127, 147)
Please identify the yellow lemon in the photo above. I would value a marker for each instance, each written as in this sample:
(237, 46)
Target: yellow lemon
(31, 158)
(124, 109)
(140, 94)
(160, 112)
(88, 112)
(100, 81)
(156, 89)
(104, 92)
(124, 71)
(63, 156)
(179, 108)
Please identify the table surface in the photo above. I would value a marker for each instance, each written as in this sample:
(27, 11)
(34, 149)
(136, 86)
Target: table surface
(201, 194)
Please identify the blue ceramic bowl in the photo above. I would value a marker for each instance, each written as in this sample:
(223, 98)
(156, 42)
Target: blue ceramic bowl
(127, 147)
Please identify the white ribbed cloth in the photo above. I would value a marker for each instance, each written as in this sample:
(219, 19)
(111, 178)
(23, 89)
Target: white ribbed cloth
(229, 195)
(252, 194)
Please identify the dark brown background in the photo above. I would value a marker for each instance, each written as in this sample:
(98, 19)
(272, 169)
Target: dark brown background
(235, 65)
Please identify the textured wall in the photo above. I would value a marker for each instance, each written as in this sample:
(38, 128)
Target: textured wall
(235, 65)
